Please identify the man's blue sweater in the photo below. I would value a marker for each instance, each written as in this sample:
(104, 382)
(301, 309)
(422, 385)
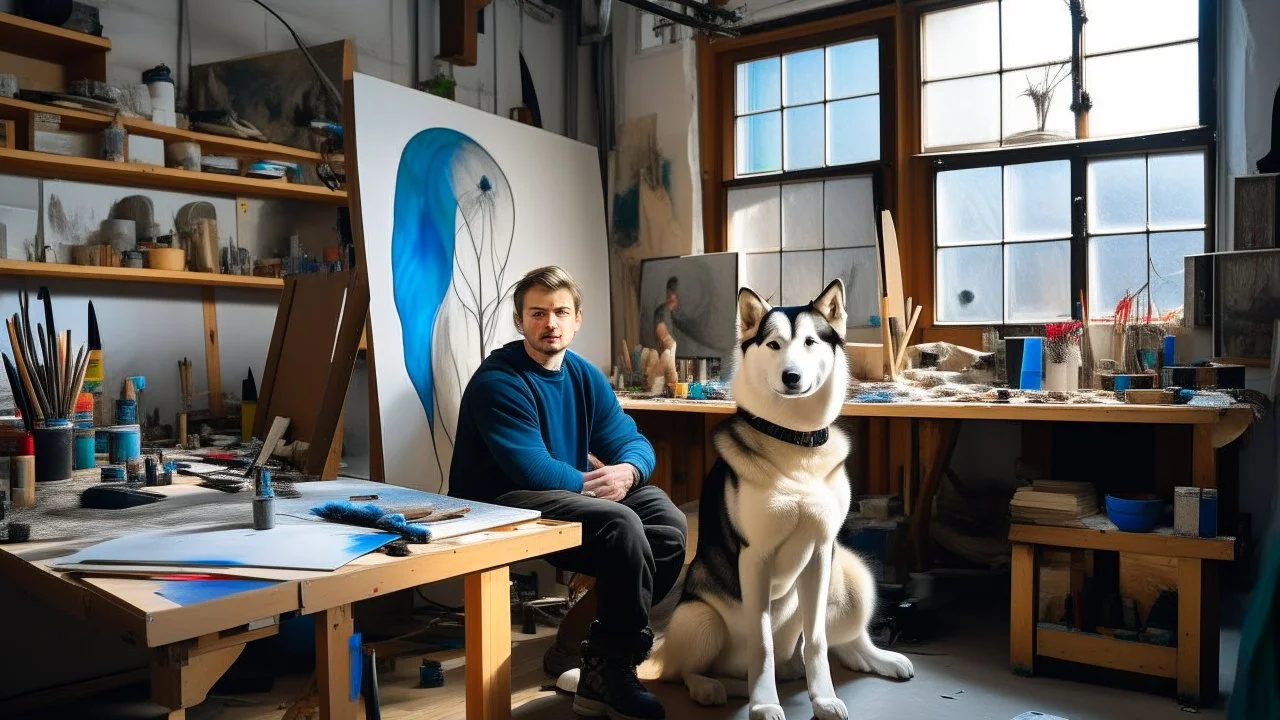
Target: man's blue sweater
(523, 427)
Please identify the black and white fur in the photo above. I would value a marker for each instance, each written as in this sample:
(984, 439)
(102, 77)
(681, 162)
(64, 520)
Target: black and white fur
(769, 590)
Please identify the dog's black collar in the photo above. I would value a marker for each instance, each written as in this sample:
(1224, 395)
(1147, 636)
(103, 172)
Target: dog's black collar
(810, 439)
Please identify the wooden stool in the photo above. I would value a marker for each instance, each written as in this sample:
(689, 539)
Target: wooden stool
(1193, 663)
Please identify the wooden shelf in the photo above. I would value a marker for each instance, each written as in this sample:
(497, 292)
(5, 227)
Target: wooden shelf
(29, 38)
(23, 268)
(1154, 543)
(25, 162)
(83, 119)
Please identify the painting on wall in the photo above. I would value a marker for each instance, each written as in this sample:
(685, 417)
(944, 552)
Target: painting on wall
(642, 221)
(1248, 283)
(694, 301)
(456, 204)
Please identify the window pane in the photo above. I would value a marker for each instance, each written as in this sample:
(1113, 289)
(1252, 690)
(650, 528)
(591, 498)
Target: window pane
(1037, 105)
(759, 85)
(759, 143)
(1117, 264)
(802, 216)
(849, 209)
(962, 41)
(762, 274)
(1037, 200)
(853, 130)
(802, 77)
(1034, 32)
(1143, 91)
(801, 276)
(968, 206)
(1118, 195)
(1177, 190)
(1038, 277)
(1168, 253)
(962, 112)
(1124, 24)
(804, 137)
(969, 284)
(755, 218)
(853, 69)
(859, 268)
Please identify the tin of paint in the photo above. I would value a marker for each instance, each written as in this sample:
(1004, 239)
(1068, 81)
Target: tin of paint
(124, 443)
(101, 441)
(112, 473)
(264, 513)
(54, 458)
(126, 412)
(84, 450)
(1208, 513)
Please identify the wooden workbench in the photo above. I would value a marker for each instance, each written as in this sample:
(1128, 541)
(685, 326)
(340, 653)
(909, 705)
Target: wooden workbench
(908, 445)
(192, 646)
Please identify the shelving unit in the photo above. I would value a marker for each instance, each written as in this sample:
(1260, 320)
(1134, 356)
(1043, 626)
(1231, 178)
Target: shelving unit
(23, 268)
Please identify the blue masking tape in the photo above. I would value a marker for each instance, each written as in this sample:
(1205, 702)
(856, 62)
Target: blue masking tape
(357, 666)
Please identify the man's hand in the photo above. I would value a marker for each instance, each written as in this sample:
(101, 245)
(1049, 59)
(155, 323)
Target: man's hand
(607, 482)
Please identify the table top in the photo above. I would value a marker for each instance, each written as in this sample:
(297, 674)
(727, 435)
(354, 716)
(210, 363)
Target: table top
(134, 606)
(1028, 411)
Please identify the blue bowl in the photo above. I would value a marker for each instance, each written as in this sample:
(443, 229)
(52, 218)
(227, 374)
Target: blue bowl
(1135, 512)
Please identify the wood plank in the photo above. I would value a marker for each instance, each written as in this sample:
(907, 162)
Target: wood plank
(267, 384)
(1204, 471)
(212, 356)
(1143, 577)
(937, 445)
(1103, 413)
(901, 458)
(180, 681)
(47, 42)
(334, 630)
(25, 268)
(1102, 651)
(37, 164)
(1023, 605)
(1163, 545)
(1198, 632)
(488, 642)
(379, 574)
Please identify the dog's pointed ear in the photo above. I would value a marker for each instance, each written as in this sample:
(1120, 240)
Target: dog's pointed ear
(830, 304)
(751, 311)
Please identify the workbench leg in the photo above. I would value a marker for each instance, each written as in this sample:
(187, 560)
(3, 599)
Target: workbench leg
(334, 630)
(1023, 595)
(487, 612)
(180, 680)
(937, 441)
(1204, 465)
(1198, 632)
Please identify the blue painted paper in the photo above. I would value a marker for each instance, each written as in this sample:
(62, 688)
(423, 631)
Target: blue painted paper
(192, 592)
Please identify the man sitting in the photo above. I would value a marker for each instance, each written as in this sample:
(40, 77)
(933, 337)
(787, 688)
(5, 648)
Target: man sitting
(539, 428)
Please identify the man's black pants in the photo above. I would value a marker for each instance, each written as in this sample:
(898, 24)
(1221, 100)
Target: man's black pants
(634, 548)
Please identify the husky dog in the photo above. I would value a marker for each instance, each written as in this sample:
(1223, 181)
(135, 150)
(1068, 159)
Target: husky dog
(769, 589)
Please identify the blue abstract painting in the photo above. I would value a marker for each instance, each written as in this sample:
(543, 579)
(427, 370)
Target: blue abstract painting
(453, 220)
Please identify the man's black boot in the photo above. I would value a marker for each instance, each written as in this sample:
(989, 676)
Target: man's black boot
(608, 686)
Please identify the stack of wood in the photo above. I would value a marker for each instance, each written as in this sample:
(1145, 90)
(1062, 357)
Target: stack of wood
(1054, 502)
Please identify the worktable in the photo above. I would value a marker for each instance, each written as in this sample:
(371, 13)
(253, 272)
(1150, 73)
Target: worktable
(909, 444)
(191, 646)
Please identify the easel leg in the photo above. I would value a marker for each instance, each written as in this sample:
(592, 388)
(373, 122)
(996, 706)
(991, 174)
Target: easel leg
(487, 608)
(1022, 609)
(334, 628)
(180, 680)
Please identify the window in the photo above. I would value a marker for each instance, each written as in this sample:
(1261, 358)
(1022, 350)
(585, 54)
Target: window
(1072, 161)
(803, 202)
(809, 109)
(796, 238)
(1003, 72)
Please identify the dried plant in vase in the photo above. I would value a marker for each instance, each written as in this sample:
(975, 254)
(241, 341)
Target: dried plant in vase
(1041, 91)
(1062, 345)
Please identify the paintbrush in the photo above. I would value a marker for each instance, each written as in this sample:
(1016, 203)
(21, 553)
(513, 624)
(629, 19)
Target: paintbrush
(19, 394)
(33, 398)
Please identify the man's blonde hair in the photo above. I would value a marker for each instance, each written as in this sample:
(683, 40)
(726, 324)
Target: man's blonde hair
(550, 278)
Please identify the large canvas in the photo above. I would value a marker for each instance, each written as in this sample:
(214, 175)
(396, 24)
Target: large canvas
(456, 205)
(695, 299)
(1248, 283)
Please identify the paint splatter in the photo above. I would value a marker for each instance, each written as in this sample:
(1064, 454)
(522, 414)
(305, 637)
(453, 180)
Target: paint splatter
(966, 297)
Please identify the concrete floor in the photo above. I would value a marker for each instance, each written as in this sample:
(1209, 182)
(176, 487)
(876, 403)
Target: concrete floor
(963, 674)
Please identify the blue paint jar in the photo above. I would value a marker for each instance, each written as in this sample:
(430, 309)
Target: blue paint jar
(124, 443)
(1208, 513)
(126, 412)
(84, 450)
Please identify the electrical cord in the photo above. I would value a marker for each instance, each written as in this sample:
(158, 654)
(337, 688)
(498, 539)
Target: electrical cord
(324, 79)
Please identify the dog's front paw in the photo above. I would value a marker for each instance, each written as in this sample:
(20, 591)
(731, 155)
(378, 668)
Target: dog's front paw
(706, 691)
(767, 712)
(831, 708)
(895, 665)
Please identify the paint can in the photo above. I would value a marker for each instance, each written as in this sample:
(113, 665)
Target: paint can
(112, 473)
(121, 235)
(84, 457)
(126, 412)
(101, 441)
(1208, 513)
(264, 513)
(22, 480)
(53, 450)
(124, 443)
(1186, 511)
(84, 411)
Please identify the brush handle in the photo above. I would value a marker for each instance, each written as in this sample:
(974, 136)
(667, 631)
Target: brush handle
(24, 369)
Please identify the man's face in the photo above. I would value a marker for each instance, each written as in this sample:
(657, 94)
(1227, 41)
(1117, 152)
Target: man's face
(549, 320)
